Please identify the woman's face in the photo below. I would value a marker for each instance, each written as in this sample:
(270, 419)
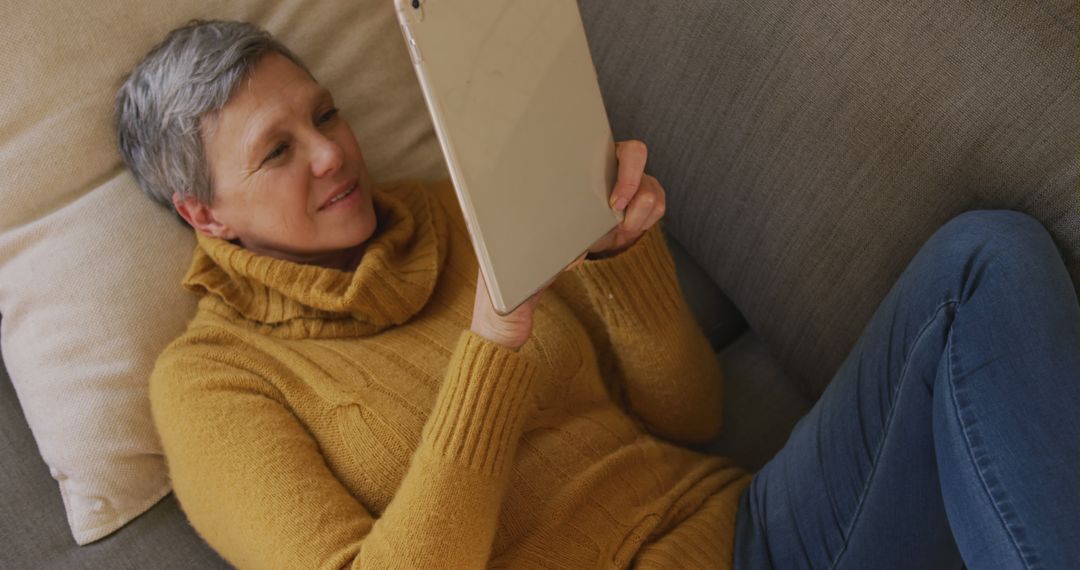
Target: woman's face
(280, 159)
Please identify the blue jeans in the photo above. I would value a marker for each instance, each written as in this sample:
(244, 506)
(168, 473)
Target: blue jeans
(950, 435)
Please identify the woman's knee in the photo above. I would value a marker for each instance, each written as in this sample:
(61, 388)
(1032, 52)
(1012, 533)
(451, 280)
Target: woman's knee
(994, 235)
(976, 243)
(996, 229)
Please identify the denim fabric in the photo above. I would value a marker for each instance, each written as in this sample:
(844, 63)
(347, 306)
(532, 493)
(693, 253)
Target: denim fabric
(950, 435)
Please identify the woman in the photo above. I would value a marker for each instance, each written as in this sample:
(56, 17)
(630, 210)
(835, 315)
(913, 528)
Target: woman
(347, 396)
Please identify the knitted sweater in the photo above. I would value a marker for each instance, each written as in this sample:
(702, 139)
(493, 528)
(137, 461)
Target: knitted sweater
(314, 418)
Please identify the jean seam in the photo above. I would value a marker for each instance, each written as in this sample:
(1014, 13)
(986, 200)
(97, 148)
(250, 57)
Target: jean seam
(885, 432)
(971, 457)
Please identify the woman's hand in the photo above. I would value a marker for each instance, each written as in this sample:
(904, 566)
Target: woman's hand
(513, 329)
(638, 195)
(642, 200)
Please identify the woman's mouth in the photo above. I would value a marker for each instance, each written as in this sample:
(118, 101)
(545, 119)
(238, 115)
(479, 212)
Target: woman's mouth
(343, 197)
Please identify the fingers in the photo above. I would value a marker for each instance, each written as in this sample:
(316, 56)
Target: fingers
(654, 217)
(631, 157)
(647, 207)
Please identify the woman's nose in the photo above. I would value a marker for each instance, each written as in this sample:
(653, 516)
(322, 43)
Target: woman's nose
(326, 156)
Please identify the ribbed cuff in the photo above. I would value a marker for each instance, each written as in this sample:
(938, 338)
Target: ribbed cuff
(481, 407)
(638, 286)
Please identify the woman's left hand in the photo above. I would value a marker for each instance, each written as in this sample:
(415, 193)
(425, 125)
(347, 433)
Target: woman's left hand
(638, 195)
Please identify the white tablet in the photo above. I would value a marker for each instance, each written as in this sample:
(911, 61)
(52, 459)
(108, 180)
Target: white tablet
(516, 105)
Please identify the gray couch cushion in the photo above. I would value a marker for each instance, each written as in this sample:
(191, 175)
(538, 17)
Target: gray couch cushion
(717, 316)
(33, 529)
(761, 404)
(809, 148)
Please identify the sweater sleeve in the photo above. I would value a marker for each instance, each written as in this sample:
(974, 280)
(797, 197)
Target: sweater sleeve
(669, 375)
(252, 481)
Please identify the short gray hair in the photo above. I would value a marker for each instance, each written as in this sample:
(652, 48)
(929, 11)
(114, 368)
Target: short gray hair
(163, 103)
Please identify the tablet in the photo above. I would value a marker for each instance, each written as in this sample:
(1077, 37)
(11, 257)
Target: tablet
(516, 106)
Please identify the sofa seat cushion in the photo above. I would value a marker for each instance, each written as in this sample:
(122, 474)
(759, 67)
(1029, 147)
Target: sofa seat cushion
(761, 403)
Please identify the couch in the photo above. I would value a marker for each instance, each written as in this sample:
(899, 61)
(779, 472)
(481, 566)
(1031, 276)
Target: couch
(808, 149)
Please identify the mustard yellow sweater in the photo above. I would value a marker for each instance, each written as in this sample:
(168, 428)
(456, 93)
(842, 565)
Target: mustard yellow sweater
(313, 418)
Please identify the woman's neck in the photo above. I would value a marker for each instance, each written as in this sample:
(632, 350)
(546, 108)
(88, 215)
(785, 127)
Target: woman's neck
(346, 260)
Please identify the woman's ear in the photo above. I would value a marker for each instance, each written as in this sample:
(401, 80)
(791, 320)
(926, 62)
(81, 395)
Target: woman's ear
(201, 217)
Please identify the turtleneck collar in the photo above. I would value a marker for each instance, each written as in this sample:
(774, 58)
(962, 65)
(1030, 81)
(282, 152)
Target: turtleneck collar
(393, 282)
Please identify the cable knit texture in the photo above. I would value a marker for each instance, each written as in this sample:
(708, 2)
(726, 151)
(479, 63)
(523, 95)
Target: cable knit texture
(314, 418)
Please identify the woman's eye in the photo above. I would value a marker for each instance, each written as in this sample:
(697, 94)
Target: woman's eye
(278, 151)
(328, 116)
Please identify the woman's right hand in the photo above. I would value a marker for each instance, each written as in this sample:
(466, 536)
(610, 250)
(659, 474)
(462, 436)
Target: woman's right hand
(510, 330)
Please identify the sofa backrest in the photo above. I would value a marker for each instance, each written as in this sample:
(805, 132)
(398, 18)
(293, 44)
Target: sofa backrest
(809, 148)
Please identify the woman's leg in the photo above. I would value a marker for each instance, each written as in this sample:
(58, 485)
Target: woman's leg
(951, 430)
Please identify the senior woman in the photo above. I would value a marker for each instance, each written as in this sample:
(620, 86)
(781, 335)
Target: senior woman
(347, 396)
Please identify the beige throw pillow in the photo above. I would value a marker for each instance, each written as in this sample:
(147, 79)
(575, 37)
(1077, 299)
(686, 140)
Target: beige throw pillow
(90, 269)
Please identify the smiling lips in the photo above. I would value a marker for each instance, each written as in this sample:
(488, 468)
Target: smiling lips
(340, 195)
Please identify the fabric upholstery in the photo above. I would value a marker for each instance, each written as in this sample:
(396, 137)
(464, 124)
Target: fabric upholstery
(90, 268)
(34, 528)
(809, 148)
(717, 316)
(761, 404)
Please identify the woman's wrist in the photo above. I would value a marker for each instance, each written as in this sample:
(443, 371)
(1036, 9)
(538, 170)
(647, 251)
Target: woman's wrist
(514, 344)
